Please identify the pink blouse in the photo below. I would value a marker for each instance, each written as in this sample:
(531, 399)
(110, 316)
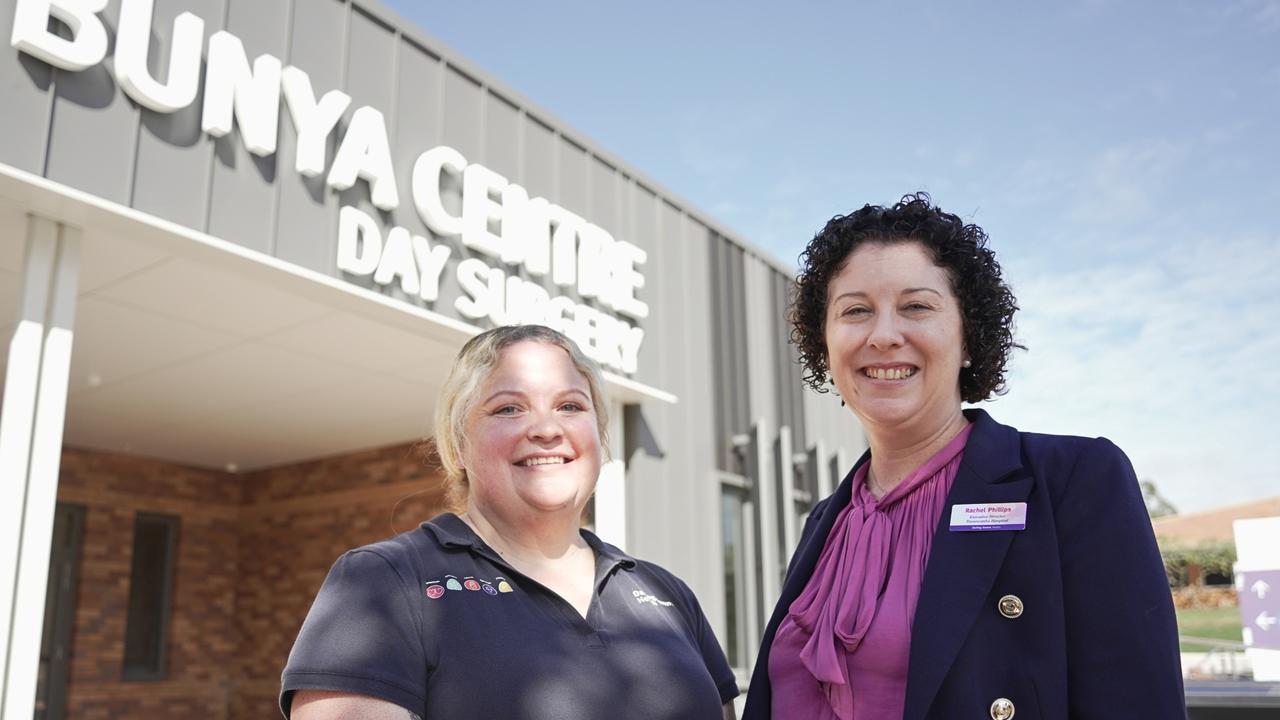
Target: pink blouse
(842, 650)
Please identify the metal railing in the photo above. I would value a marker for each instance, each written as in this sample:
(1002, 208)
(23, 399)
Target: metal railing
(1225, 659)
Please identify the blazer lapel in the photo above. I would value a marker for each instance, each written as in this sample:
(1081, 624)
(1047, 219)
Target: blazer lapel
(805, 559)
(962, 565)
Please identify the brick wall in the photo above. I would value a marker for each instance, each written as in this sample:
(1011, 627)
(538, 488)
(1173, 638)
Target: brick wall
(295, 522)
(201, 632)
(252, 551)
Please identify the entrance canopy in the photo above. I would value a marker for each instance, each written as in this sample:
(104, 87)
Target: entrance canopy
(195, 350)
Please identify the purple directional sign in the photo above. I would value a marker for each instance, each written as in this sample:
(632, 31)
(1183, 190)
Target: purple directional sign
(1260, 608)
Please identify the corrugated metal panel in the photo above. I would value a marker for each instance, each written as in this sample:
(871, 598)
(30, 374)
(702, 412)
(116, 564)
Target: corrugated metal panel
(242, 196)
(657, 455)
(760, 322)
(172, 178)
(674, 498)
(463, 117)
(700, 519)
(27, 86)
(539, 166)
(573, 192)
(306, 219)
(790, 385)
(501, 136)
(646, 208)
(604, 196)
(417, 120)
(370, 81)
(703, 570)
(654, 454)
(94, 134)
(728, 320)
(736, 318)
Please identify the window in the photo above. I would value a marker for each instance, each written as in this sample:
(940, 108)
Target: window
(146, 636)
(59, 611)
(738, 553)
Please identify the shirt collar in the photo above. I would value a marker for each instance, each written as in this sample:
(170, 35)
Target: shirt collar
(608, 552)
(450, 531)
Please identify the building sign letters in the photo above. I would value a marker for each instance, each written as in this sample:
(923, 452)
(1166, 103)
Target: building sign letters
(496, 220)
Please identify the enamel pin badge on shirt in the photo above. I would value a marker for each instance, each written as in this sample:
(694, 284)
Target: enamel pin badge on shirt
(980, 517)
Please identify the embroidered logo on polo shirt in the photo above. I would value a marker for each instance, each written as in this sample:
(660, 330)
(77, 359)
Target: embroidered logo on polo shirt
(643, 597)
(435, 590)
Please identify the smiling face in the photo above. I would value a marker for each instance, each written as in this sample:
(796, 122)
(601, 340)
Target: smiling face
(531, 443)
(895, 338)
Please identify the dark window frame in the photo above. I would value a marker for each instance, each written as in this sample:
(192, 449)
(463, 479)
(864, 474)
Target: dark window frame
(60, 605)
(158, 667)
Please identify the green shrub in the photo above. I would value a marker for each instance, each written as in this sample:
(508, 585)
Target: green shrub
(1188, 564)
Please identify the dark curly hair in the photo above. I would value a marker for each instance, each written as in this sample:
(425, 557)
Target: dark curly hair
(987, 304)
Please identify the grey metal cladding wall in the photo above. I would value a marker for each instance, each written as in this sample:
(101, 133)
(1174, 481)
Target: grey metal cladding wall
(242, 193)
(93, 133)
(96, 139)
(370, 80)
(415, 120)
(672, 499)
(655, 217)
(652, 457)
(79, 128)
(501, 136)
(761, 325)
(539, 168)
(789, 385)
(464, 112)
(605, 183)
(306, 215)
(729, 320)
(172, 173)
(25, 84)
(573, 191)
(699, 515)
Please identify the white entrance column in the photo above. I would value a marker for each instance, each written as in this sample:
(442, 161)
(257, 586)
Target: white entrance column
(611, 488)
(31, 421)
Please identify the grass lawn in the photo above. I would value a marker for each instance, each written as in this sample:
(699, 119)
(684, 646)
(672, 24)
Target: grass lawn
(1216, 623)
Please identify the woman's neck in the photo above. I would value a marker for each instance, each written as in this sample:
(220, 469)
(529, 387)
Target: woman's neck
(894, 455)
(547, 549)
(535, 541)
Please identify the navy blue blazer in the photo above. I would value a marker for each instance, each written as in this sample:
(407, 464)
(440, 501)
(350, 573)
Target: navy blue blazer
(1097, 636)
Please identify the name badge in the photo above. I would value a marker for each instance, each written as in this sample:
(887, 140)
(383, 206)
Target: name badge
(988, 516)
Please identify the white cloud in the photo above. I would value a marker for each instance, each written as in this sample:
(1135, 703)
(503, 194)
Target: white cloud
(1124, 180)
(1173, 358)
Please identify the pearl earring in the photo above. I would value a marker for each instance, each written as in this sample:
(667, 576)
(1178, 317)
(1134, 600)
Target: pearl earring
(967, 363)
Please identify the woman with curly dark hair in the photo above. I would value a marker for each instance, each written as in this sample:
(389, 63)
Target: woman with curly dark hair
(963, 568)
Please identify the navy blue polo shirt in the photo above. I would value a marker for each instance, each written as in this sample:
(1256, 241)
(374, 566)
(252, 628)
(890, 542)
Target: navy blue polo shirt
(437, 622)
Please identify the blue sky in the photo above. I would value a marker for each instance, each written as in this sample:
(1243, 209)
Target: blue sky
(1123, 157)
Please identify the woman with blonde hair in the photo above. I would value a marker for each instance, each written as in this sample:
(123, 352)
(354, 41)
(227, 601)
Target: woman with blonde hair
(509, 609)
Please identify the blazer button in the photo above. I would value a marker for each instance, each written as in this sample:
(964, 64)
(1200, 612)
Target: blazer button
(1010, 606)
(1001, 709)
